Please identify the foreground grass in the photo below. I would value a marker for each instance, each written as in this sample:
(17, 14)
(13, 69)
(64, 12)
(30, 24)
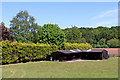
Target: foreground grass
(46, 69)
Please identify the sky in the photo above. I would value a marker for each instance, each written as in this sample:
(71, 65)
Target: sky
(65, 14)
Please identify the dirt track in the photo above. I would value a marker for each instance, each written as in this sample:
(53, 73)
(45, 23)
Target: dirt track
(112, 51)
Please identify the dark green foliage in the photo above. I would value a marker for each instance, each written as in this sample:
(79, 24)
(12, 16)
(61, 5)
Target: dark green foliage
(102, 41)
(26, 30)
(73, 35)
(100, 46)
(51, 34)
(82, 40)
(104, 46)
(97, 37)
(91, 41)
(97, 46)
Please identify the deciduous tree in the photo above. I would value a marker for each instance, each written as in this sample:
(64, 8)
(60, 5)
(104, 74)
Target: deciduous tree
(24, 27)
(51, 34)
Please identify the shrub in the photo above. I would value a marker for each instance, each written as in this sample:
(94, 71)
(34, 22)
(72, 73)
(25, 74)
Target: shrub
(104, 46)
(70, 46)
(100, 46)
(82, 40)
(22, 52)
(102, 41)
(51, 34)
(113, 43)
(97, 46)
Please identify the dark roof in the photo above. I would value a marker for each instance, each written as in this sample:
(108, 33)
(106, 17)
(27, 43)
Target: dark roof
(80, 50)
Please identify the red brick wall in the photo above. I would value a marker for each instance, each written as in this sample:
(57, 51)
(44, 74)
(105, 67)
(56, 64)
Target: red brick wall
(112, 51)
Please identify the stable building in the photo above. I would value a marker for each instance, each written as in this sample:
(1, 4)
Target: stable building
(85, 54)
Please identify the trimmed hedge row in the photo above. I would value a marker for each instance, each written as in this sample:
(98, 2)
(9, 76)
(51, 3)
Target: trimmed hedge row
(70, 46)
(23, 52)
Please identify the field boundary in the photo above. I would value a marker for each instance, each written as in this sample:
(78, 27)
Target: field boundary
(112, 51)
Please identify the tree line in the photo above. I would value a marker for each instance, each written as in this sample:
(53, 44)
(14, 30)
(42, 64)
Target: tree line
(25, 29)
(100, 37)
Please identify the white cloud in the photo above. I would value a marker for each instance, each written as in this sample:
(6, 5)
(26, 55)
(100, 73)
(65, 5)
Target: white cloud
(106, 14)
(107, 18)
(107, 22)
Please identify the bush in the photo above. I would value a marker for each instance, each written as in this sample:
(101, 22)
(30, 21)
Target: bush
(113, 43)
(102, 41)
(23, 52)
(14, 52)
(82, 40)
(70, 46)
(51, 34)
(100, 46)
(104, 46)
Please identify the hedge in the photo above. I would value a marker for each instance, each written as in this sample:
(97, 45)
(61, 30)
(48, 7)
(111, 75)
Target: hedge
(70, 46)
(23, 52)
(14, 52)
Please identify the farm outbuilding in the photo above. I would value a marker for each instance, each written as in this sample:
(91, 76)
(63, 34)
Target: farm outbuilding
(85, 54)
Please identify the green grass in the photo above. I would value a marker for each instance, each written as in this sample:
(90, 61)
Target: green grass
(46, 69)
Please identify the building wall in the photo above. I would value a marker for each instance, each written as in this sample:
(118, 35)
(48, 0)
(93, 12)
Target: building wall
(112, 51)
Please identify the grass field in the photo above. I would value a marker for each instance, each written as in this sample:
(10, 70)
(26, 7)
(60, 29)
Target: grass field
(46, 69)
